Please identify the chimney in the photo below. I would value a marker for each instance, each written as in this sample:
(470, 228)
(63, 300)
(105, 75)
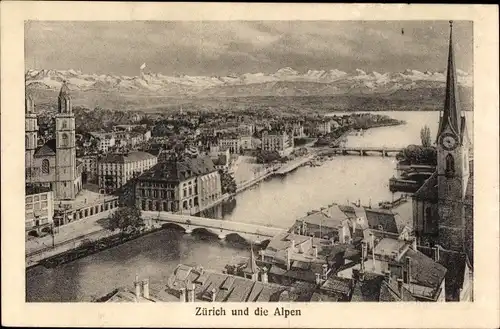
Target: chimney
(355, 274)
(288, 256)
(213, 294)
(182, 297)
(318, 278)
(145, 288)
(400, 287)
(137, 286)
(315, 251)
(408, 269)
(436, 253)
(387, 276)
(191, 298)
(325, 271)
(263, 275)
(293, 244)
(341, 234)
(364, 252)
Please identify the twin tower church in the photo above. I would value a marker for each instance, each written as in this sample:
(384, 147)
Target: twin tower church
(53, 164)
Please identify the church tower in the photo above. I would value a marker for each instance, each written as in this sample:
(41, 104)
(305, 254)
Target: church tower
(30, 134)
(452, 163)
(65, 188)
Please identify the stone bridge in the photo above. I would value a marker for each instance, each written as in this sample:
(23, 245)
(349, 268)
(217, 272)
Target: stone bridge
(384, 151)
(251, 233)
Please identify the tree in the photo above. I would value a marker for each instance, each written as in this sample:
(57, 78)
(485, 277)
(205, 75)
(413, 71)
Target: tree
(418, 155)
(425, 136)
(228, 184)
(125, 219)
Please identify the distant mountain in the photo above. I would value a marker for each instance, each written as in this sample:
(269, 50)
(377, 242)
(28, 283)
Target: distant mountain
(284, 82)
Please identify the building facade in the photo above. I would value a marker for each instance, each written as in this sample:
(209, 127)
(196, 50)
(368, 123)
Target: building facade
(277, 141)
(115, 170)
(54, 164)
(39, 209)
(179, 186)
(231, 143)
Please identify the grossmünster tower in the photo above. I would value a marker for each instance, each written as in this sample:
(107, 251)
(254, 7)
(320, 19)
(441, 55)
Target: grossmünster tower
(54, 164)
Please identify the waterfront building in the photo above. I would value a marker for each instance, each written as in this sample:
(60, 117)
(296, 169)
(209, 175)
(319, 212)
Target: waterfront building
(184, 185)
(342, 223)
(39, 209)
(443, 206)
(54, 164)
(115, 170)
(221, 162)
(277, 141)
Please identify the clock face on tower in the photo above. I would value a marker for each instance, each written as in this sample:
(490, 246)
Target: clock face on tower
(449, 142)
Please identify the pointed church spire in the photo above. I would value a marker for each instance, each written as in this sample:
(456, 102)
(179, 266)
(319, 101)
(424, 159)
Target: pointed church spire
(64, 99)
(451, 113)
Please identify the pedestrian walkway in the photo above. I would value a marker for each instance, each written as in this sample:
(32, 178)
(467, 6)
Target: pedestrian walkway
(69, 232)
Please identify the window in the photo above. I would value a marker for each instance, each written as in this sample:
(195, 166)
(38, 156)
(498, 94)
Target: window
(45, 166)
(26, 141)
(64, 140)
(64, 125)
(450, 165)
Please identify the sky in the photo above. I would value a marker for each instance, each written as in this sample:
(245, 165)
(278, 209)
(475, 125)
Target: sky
(220, 48)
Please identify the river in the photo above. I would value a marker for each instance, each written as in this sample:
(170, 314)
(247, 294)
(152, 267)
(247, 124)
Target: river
(277, 201)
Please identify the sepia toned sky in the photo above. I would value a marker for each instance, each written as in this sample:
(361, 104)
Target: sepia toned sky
(221, 48)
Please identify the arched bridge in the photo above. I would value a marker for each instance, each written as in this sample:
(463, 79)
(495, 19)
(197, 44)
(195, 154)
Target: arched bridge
(384, 151)
(249, 232)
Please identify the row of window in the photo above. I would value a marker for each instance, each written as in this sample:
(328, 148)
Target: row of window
(155, 193)
(36, 206)
(36, 198)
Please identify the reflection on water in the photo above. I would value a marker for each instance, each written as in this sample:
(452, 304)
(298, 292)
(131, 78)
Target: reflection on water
(277, 201)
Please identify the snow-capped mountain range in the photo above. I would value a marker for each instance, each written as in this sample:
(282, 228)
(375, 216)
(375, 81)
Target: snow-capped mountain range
(284, 82)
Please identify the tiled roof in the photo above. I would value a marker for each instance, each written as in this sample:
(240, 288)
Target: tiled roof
(455, 263)
(424, 270)
(228, 288)
(127, 157)
(48, 149)
(380, 217)
(337, 284)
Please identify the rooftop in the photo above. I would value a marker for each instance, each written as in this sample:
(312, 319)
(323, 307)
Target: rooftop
(126, 157)
(222, 287)
(179, 170)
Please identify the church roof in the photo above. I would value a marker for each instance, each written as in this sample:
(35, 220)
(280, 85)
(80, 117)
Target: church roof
(451, 113)
(47, 149)
(428, 191)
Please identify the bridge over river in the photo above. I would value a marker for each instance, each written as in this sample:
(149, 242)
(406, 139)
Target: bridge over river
(384, 151)
(252, 233)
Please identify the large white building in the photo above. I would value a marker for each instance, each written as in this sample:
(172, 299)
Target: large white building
(277, 141)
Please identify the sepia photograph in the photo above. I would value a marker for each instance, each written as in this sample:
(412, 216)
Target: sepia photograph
(238, 165)
(249, 161)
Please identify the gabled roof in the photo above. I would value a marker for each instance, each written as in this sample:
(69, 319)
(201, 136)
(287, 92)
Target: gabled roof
(48, 149)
